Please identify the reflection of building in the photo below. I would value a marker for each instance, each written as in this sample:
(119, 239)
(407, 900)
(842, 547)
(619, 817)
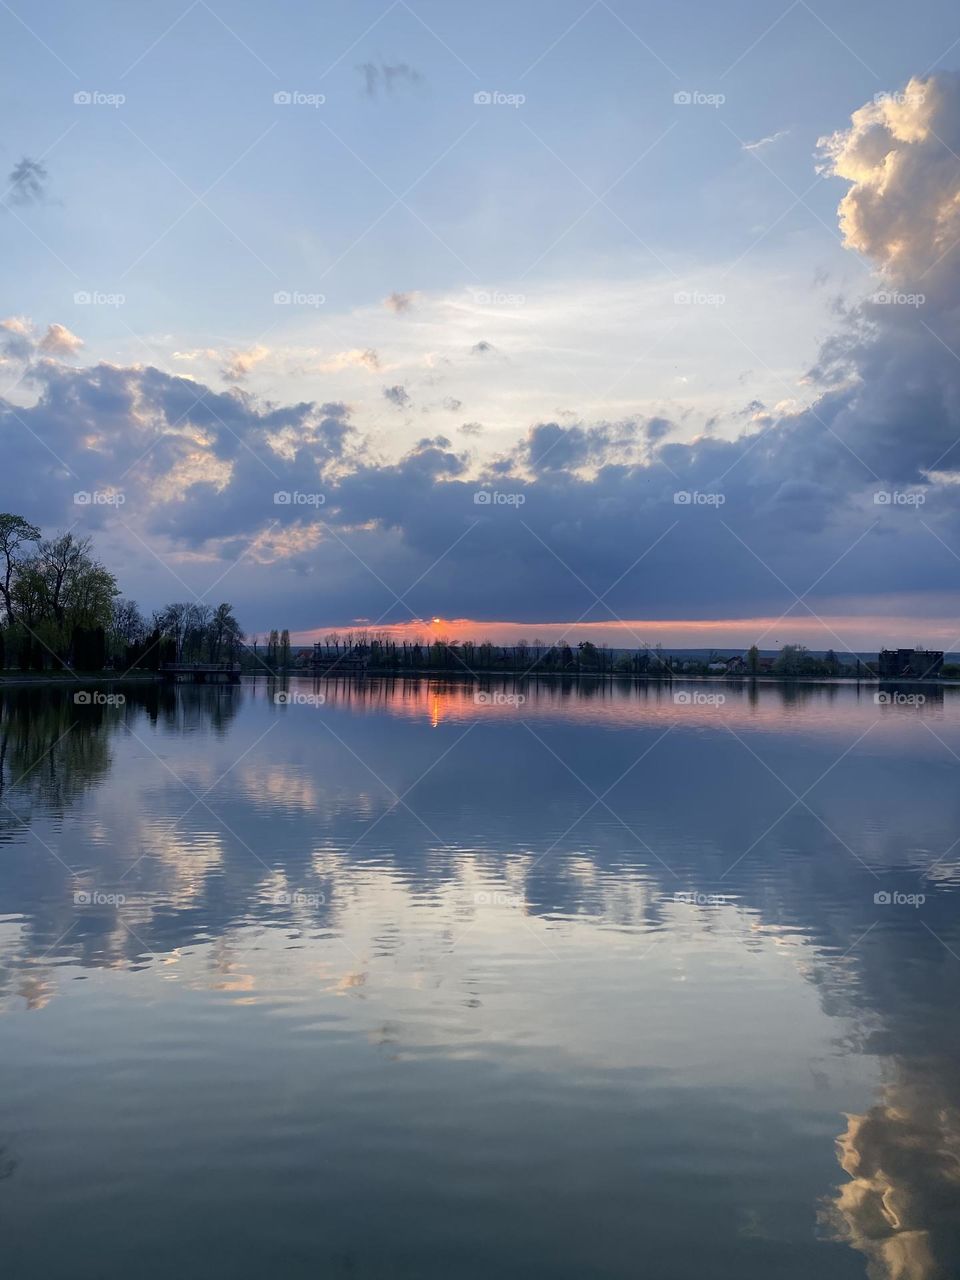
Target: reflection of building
(917, 664)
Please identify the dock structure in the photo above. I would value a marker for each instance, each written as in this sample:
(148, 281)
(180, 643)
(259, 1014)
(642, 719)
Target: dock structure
(201, 672)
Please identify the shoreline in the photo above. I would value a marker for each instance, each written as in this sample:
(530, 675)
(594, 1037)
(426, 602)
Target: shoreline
(436, 673)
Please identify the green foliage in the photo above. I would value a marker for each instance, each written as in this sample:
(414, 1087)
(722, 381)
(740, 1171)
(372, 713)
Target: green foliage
(61, 608)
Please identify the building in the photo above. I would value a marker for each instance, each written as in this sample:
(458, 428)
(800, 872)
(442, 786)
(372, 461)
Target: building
(909, 664)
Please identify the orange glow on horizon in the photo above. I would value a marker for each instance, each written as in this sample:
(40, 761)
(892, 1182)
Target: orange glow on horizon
(859, 632)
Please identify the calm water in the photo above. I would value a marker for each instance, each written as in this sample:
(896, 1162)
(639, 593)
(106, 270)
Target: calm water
(400, 984)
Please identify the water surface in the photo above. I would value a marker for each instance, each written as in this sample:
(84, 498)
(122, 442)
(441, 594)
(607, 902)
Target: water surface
(383, 979)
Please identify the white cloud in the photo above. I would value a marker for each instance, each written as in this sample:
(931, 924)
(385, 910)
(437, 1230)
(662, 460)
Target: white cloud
(766, 142)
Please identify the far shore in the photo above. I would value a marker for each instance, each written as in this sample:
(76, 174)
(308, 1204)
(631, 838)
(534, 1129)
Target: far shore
(437, 673)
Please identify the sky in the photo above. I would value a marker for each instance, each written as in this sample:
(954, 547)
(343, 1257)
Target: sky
(620, 321)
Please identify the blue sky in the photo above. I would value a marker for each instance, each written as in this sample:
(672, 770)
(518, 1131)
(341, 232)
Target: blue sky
(585, 250)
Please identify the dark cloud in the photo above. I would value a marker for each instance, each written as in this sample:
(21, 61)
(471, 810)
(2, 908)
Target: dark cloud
(27, 182)
(550, 447)
(388, 77)
(399, 303)
(482, 348)
(397, 395)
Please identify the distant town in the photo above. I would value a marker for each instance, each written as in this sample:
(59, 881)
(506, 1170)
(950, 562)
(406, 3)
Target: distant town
(353, 652)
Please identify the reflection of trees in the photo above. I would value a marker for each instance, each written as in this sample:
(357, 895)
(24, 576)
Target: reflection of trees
(53, 748)
(50, 747)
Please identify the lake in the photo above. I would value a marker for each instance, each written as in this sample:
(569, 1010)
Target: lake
(388, 978)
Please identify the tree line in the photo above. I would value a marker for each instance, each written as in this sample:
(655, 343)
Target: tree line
(62, 609)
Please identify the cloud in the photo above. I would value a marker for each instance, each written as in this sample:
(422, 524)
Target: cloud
(902, 209)
(356, 358)
(482, 348)
(399, 303)
(239, 363)
(766, 142)
(397, 395)
(387, 77)
(601, 504)
(59, 341)
(452, 404)
(472, 428)
(27, 182)
(17, 341)
(20, 340)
